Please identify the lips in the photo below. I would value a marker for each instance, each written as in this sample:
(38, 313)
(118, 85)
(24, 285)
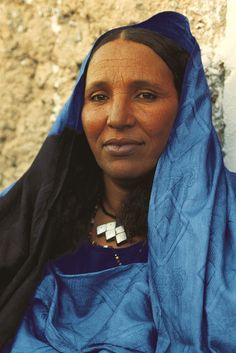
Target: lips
(122, 147)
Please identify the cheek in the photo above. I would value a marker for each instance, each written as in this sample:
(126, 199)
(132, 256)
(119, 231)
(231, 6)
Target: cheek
(91, 124)
(159, 126)
(160, 118)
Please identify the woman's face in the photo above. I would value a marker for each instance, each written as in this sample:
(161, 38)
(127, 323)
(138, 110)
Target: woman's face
(129, 108)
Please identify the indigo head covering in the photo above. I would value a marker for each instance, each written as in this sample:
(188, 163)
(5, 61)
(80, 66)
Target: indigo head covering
(192, 219)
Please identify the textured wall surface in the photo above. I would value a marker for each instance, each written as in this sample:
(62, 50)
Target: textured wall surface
(42, 44)
(227, 50)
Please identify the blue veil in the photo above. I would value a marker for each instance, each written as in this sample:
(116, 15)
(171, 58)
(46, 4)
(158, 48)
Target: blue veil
(191, 270)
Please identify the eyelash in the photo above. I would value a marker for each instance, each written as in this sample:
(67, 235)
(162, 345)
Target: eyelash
(147, 96)
(99, 97)
(95, 97)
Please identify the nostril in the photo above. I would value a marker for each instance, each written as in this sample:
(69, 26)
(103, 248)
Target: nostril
(119, 124)
(120, 120)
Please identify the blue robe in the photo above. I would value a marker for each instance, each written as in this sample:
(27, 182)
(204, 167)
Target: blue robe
(187, 290)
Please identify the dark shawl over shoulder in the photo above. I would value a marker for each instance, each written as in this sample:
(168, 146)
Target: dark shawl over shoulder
(30, 226)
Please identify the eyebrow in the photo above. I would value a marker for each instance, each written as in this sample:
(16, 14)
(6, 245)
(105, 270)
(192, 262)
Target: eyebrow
(96, 85)
(144, 83)
(133, 84)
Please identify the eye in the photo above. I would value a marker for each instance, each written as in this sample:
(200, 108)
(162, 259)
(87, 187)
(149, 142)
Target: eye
(147, 96)
(99, 97)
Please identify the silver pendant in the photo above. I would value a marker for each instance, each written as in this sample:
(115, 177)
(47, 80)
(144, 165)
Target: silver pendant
(112, 232)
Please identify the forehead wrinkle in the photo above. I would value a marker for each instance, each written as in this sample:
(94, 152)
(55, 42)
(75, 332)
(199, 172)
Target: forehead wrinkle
(98, 62)
(106, 82)
(99, 79)
(131, 84)
(135, 66)
(102, 67)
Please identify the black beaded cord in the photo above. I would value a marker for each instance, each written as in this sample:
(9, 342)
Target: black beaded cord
(104, 210)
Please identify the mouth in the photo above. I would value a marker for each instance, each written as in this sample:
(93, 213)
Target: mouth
(122, 147)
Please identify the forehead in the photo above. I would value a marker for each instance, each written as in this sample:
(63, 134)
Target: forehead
(124, 58)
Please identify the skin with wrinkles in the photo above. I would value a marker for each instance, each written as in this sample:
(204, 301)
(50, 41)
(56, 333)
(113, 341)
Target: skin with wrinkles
(130, 107)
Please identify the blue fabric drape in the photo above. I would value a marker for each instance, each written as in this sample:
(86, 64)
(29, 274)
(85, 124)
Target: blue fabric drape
(190, 279)
(108, 310)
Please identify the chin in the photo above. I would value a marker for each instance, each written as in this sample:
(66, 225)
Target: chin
(128, 176)
(127, 170)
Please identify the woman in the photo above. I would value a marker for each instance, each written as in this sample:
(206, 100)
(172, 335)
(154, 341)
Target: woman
(136, 109)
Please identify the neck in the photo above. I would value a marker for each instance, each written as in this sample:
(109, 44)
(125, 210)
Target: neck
(114, 195)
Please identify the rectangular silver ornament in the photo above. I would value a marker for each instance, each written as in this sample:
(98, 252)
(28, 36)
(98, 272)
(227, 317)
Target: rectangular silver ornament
(110, 234)
(121, 237)
(101, 229)
(111, 225)
(120, 229)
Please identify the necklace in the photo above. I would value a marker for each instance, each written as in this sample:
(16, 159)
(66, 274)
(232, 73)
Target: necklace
(104, 210)
(94, 243)
(114, 232)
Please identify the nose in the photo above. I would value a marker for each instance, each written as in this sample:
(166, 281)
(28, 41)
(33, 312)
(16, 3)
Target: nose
(120, 113)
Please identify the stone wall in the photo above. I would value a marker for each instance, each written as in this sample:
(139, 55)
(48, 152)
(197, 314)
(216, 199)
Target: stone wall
(42, 45)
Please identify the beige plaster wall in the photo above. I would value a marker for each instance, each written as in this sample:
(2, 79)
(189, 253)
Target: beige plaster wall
(42, 44)
(227, 51)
